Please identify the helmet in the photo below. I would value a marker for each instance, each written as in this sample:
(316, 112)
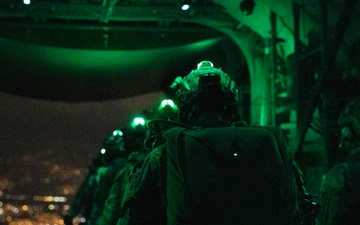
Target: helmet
(160, 118)
(204, 77)
(113, 146)
(167, 110)
(206, 88)
(135, 135)
(349, 122)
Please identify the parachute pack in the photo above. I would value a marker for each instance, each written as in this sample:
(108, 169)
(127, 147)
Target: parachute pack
(229, 175)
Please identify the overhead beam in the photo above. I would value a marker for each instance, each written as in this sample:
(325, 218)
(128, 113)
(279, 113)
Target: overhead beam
(331, 50)
(76, 12)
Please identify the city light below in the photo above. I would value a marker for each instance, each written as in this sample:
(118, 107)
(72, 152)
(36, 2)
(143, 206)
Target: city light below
(48, 210)
(50, 198)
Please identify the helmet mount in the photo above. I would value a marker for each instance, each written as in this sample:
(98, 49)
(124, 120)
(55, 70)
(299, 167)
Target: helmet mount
(206, 89)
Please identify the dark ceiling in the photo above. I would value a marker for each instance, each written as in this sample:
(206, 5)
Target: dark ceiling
(91, 50)
(85, 75)
(72, 51)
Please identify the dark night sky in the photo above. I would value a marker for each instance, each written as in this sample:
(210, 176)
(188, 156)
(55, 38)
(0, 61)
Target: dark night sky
(71, 130)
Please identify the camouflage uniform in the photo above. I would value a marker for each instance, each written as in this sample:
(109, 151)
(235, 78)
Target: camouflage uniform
(340, 192)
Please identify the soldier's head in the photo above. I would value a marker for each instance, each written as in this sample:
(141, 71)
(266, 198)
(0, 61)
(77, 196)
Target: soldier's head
(113, 146)
(167, 110)
(135, 135)
(206, 90)
(349, 122)
(160, 119)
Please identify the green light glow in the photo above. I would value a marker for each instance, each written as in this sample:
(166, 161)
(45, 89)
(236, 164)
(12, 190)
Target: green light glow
(102, 151)
(283, 95)
(138, 121)
(168, 102)
(266, 50)
(118, 132)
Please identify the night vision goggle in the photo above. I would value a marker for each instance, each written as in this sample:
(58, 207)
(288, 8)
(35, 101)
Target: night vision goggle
(205, 78)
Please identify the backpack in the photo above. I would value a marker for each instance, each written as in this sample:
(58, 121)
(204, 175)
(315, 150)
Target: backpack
(228, 175)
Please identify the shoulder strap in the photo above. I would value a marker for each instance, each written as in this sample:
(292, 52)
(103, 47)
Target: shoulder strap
(174, 142)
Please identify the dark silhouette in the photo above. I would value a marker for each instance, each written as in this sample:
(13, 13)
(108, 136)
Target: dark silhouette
(210, 168)
(340, 187)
